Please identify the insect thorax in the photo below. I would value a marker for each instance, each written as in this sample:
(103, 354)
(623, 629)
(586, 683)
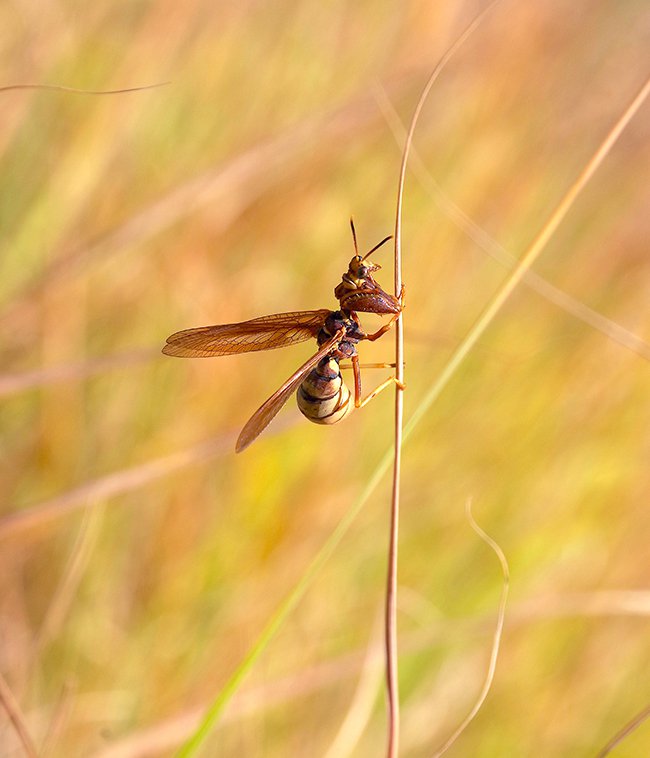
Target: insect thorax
(336, 321)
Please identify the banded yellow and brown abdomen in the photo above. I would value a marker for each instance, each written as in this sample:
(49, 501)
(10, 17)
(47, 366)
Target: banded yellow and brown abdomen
(323, 397)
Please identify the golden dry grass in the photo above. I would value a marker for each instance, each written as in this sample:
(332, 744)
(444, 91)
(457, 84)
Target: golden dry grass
(139, 557)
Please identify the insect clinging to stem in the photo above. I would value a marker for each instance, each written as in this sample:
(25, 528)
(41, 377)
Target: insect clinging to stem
(322, 395)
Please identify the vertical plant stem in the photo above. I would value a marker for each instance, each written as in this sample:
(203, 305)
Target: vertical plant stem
(392, 683)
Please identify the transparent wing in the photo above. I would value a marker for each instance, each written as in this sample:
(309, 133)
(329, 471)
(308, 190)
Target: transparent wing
(264, 333)
(265, 413)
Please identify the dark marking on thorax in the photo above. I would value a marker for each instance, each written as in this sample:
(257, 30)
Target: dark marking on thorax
(336, 321)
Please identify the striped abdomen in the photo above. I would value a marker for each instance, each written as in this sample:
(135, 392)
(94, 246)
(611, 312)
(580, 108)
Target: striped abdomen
(323, 397)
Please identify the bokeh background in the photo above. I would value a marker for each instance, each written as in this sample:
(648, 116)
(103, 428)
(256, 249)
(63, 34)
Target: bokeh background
(139, 556)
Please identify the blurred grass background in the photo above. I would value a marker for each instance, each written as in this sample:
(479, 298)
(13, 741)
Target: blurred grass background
(139, 557)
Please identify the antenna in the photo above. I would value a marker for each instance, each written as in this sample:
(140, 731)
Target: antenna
(376, 247)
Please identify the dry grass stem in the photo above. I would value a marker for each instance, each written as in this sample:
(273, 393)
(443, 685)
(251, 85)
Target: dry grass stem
(75, 90)
(68, 586)
(360, 710)
(496, 642)
(606, 326)
(527, 260)
(17, 719)
(630, 727)
(59, 720)
(392, 676)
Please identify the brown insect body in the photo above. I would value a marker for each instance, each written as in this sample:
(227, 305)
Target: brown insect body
(358, 291)
(322, 395)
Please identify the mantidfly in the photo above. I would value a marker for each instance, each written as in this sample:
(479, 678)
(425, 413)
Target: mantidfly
(322, 395)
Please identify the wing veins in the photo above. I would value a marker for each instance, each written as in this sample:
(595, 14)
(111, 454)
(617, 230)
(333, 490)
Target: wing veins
(269, 409)
(263, 333)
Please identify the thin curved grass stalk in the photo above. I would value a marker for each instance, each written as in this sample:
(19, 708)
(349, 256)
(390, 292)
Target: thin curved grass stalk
(609, 328)
(392, 674)
(8, 702)
(630, 727)
(66, 589)
(496, 642)
(61, 88)
(217, 707)
(59, 720)
(360, 709)
(527, 260)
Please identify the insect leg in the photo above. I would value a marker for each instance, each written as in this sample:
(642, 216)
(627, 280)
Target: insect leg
(386, 327)
(367, 365)
(381, 388)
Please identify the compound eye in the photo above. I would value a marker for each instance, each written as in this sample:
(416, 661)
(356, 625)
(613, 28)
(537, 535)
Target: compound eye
(363, 271)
